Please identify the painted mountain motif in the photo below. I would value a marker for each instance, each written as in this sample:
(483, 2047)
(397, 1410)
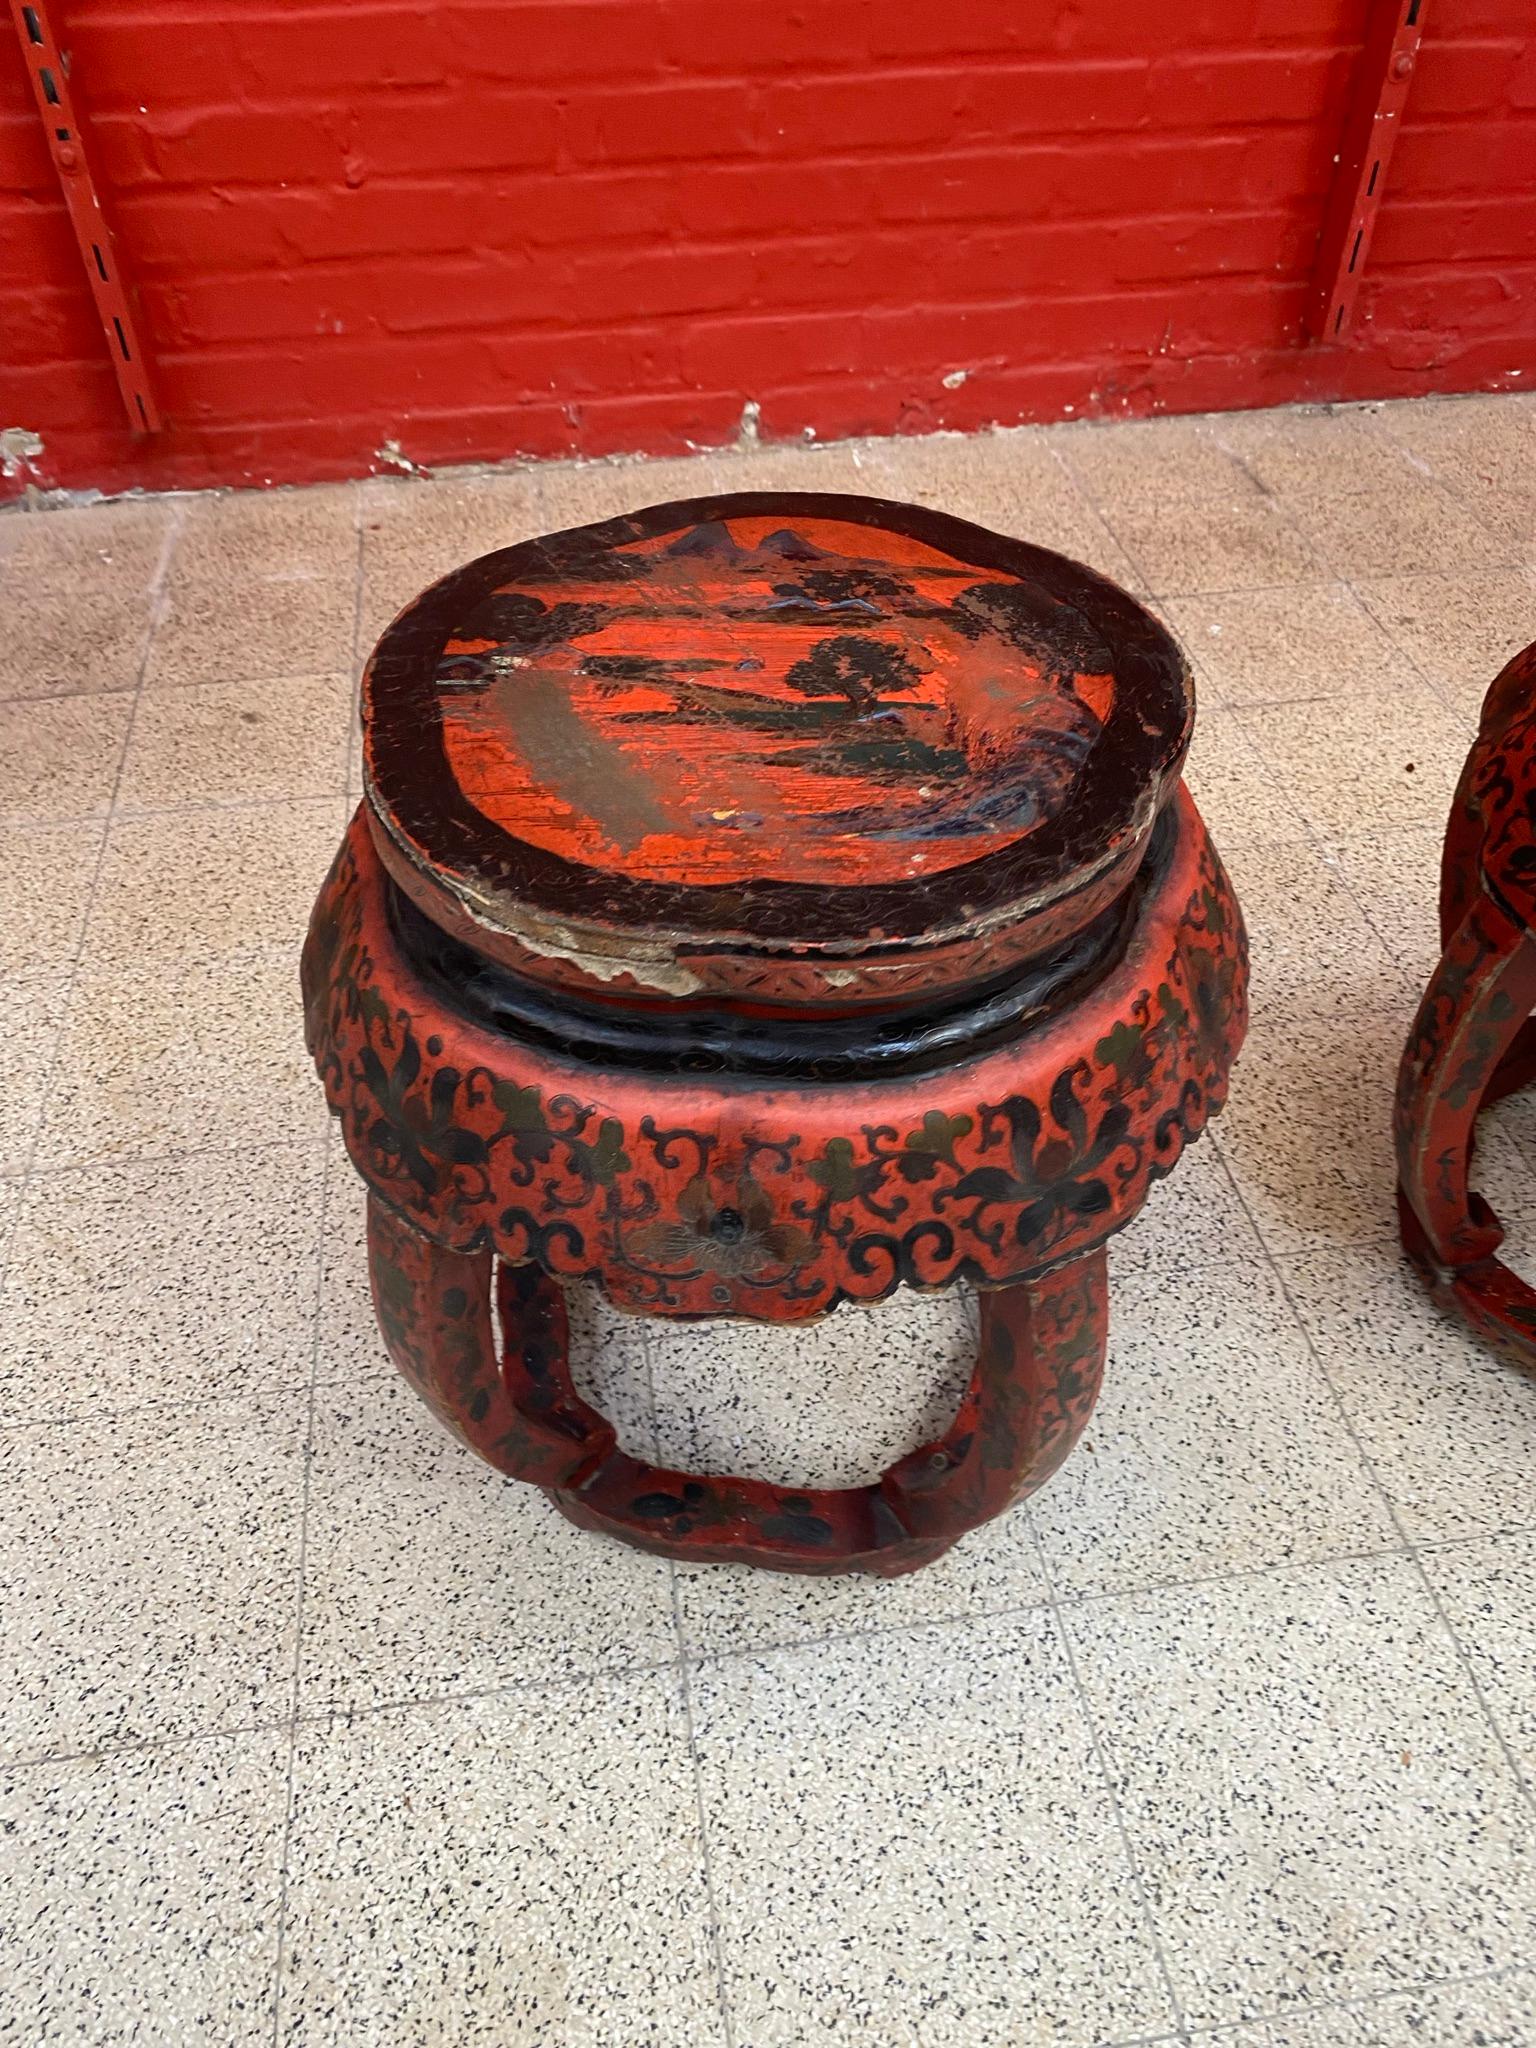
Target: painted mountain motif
(815, 702)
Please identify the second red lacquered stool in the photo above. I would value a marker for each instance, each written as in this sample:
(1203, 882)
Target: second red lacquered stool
(1474, 1039)
(758, 904)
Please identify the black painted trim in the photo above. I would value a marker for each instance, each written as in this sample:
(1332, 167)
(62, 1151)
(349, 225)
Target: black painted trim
(691, 1039)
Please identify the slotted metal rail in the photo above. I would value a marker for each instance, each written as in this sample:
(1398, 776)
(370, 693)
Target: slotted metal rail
(48, 67)
(1377, 99)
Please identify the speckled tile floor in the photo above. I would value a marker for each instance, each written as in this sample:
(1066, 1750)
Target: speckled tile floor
(314, 1731)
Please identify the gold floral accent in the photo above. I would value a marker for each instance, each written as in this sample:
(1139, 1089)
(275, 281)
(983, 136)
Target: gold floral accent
(729, 1238)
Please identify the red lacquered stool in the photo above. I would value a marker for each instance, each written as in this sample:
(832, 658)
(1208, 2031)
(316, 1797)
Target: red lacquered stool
(757, 904)
(1473, 1040)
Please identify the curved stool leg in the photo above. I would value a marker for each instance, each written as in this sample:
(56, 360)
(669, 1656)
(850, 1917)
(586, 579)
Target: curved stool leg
(1469, 1045)
(1461, 854)
(1461, 887)
(1037, 1374)
(1466, 834)
(434, 1311)
(1038, 1369)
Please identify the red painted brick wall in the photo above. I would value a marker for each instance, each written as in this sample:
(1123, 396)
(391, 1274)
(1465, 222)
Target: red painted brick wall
(557, 226)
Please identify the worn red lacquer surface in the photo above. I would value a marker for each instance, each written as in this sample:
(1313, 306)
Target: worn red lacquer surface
(1473, 1040)
(859, 752)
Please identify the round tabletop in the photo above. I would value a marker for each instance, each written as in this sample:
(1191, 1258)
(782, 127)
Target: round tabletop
(793, 721)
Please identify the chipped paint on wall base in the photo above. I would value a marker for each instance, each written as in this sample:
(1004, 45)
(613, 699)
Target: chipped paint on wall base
(19, 452)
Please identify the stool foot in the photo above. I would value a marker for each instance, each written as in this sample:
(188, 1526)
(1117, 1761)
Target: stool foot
(1037, 1374)
(1494, 1302)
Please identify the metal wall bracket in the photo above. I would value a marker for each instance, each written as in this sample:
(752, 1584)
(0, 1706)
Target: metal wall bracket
(48, 68)
(1377, 98)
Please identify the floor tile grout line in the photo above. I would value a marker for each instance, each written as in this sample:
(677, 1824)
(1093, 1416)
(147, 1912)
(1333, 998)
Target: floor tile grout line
(328, 1169)
(1505, 1532)
(1008, 1610)
(1336, 868)
(1383, 626)
(1091, 500)
(717, 1934)
(10, 699)
(231, 679)
(10, 1217)
(1159, 2040)
(1214, 2030)
(134, 814)
(278, 1148)
(1284, 782)
(1410, 1551)
(1279, 507)
(1431, 473)
(97, 1162)
(314, 1150)
(648, 1361)
(204, 1403)
(1282, 503)
(1097, 514)
(107, 1749)
(1195, 1581)
(280, 1947)
(1107, 1778)
(1387, 698)
(1389, 422)
(323, 1717)
(1192, 593)
(1318, 839)
(157, 598)
(685, 1663)
(1523, 1780)
(327, 1715)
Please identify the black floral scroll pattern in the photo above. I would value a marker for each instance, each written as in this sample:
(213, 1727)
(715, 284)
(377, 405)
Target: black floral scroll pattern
(986, 1194)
